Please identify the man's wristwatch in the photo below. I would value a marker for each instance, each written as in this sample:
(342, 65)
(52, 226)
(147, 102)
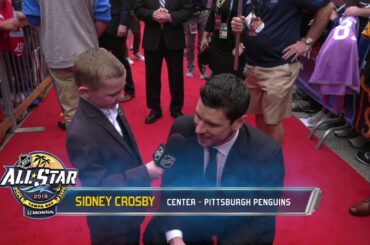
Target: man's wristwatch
(308, 41)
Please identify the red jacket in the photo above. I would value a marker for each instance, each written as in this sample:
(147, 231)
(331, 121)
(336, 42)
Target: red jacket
(12, 41)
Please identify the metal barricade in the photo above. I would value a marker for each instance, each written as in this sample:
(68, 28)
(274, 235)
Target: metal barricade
(23, 81)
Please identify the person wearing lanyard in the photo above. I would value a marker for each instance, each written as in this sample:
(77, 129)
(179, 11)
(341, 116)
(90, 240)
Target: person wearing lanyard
(192, 27)
(271, 35)
(219, 52)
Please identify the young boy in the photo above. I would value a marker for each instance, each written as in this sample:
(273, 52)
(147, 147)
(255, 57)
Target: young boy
(101, 145)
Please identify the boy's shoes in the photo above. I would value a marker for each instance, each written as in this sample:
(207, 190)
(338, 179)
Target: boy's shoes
(128, 97)
(138, 57)
(153, 117)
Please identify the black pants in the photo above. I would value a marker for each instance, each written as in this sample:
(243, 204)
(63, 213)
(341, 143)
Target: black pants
(136, 31)
(113, 230)
(153, 65)
(221, 61)
(115, 45)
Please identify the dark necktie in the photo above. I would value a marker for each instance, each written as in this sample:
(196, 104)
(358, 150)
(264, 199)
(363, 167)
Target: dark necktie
(162, 3)
(125, 134)
(210, 174)
(126, 137)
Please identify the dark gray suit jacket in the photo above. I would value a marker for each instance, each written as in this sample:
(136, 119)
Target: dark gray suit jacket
(120, 11)
(255, 160)
(104, 158)
(173, 33)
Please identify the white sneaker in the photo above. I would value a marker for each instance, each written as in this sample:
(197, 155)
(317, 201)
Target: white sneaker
(203, 76)
(190, 72)
(130, 61)
(203, 73)
(314, 119)
(139, 57)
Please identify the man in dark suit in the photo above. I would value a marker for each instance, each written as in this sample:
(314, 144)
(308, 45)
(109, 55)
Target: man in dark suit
(240, 156)
(163, 38)
(101, 145)
(114, 39)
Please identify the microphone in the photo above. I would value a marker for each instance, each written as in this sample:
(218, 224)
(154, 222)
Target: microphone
(165, 155)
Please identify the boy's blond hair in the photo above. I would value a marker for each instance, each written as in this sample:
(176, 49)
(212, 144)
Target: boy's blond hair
(94, 66)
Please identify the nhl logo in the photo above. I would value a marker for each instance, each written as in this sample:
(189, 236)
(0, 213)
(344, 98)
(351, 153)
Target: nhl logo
(24, 161)
(39, 181)
(167, 161)
(158, 153)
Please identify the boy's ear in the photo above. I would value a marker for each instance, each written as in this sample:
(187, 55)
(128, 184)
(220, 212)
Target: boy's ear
(84, 91)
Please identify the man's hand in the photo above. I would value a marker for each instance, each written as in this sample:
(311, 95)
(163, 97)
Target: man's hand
(292, 52)
(153, 170)
(204, 43)
(10, 25)
(161, 15)
(20, 16)
(352, 11)
(241, 49)
(177, 241)
(121, 31)
(238, 24)
(156, 16)
(166, 17)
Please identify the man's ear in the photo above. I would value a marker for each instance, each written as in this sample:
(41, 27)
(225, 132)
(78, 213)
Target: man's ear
(84, 91)
(238, 123)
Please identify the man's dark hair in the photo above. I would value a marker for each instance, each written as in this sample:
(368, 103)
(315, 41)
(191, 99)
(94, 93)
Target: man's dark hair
(228, 92)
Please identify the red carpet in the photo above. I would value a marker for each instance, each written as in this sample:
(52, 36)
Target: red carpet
(305, 166)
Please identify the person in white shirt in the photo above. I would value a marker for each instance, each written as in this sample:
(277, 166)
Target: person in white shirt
(100, 143)
(220, 151)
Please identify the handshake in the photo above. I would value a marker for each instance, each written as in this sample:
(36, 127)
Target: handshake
(162, 16)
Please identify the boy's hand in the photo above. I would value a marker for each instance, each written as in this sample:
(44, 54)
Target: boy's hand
(153, 170)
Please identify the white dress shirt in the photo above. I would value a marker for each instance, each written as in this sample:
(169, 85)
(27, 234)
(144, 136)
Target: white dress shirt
(112, 114)
(222, 153)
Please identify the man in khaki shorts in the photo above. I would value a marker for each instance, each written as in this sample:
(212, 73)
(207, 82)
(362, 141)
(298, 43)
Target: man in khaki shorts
(273, 44)
(272, 91)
